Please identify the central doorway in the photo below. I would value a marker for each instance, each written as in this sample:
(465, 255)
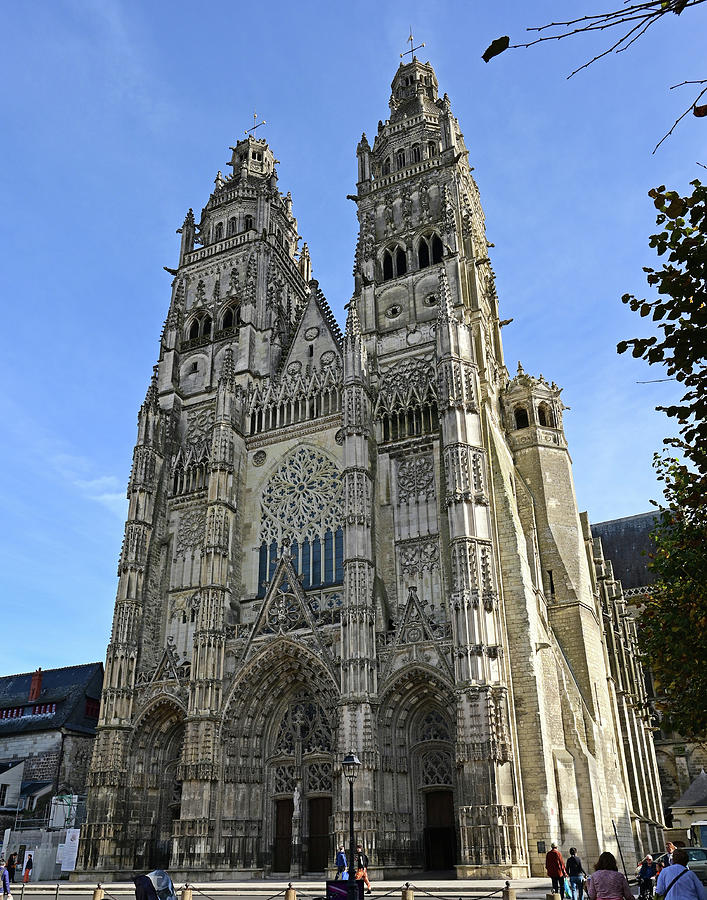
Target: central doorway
(320, 853)
(440, 838)
(283, 835)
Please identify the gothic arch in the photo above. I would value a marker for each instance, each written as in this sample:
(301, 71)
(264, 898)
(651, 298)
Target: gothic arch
(278, 732)
(154, 786)
(416, 730)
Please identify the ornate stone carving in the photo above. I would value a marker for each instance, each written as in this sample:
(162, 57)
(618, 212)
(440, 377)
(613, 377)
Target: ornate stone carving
(416, 478)
(302, 498)
(418, 556)
(259, 457)
(199, 424)
(436, 768)
(190, 531)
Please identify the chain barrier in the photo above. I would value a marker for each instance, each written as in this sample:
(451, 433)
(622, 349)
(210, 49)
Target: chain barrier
(414, 887)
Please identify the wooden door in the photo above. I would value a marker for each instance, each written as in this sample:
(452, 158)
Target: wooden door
(440, 838)
(283, 835)
(319, 839)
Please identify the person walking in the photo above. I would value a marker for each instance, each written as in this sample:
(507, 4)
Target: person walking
(341, 864)
(361, 861)
(677, 882)
(555, 868)
(28, 869)
(12, 866)
(646, 872)
(576, 872)
(5, 878)
(606, 882)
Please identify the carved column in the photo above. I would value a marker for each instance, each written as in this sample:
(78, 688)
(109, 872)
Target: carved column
(197, 831)
(358, 655)
(488, 818)
(104, 843)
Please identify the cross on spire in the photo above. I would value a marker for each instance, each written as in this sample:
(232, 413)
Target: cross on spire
(413, 48)
(255, 125)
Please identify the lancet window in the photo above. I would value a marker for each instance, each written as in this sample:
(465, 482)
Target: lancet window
(429, 250)
(407, 402)
(297, 397)
(415, 153)
(386, 166)
(301, 508)
(248, 223)
(218, 232)
(394, 262)
(400, 158)
(230, 318)
(198, 330)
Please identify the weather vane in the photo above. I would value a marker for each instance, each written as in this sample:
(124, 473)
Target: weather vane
(256, 124)
(413, 48)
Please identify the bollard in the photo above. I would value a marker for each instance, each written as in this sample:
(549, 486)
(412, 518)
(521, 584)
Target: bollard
(22, 891)
(290, 893)
(553, 896)
(56, 892)
(186, 893)
(98, 893)
(509, 893)
(408, 892)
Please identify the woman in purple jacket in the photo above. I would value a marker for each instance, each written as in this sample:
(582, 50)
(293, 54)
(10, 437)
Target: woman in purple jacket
(607, 883)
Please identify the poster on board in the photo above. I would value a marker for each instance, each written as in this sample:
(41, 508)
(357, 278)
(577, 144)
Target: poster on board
(71, 850)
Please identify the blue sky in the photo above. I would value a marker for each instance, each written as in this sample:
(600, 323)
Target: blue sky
(117, 115)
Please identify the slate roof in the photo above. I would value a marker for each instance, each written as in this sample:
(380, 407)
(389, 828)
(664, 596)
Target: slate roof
(627, 544)
(67, 687)
(696, 794)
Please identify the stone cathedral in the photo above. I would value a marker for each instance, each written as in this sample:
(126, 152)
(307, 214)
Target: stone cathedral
(363, 541)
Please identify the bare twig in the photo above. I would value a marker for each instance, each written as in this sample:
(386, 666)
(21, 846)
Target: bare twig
(682, 116)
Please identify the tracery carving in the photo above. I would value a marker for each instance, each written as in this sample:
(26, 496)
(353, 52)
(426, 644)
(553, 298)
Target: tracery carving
(418, 556)
(320, 778)
(199, 424)
(190, 531)
(305, 723)
(436, 768)
(285, 780)
(434, 727)
(416, 478)
(302, 498)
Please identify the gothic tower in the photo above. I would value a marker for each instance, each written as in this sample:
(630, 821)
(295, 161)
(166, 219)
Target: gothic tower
(364, 541)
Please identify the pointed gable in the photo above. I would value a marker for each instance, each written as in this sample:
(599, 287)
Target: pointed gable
(317, 340)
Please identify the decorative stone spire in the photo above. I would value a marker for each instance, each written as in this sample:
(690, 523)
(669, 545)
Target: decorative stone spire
(228, 369)
(353, 323)
(446, 311)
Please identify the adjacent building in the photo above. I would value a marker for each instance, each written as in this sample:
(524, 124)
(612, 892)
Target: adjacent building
(363, 541)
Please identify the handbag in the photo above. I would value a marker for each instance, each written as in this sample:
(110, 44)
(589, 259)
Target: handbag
(663, 896)
(566, 887)
(345, 875)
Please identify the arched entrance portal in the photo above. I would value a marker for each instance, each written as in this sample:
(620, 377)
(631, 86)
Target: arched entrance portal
(155, 794)
(278, 736)
(416, 732)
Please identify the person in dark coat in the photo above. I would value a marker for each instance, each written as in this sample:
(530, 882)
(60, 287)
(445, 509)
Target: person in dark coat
(576, 872)
(555, 868)
(12, 867)
(647, 873)
(28, 869)
(361, 861)
(144, 888)
(5, 878)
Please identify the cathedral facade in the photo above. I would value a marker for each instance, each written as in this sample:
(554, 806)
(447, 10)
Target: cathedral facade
(361, 541)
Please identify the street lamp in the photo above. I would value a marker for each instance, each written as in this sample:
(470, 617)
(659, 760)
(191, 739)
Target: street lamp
(351, 765)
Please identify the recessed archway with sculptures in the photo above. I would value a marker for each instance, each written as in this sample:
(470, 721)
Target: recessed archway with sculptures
(417, 786)
(278, 735)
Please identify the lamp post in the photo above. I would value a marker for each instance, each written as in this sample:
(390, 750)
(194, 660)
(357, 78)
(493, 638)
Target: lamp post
(351, 765)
